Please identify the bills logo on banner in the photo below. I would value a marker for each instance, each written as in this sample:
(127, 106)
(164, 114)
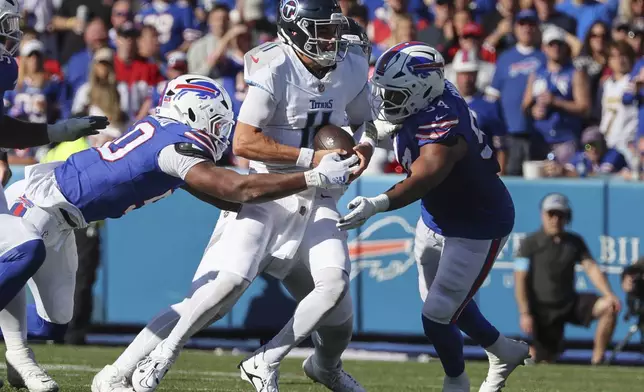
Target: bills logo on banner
(385, 249)
(289, 10)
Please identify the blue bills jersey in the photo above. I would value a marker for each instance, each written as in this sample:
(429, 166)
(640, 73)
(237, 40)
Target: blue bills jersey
(472, 202)
(175, 23)
(8, 76)
(124, 174)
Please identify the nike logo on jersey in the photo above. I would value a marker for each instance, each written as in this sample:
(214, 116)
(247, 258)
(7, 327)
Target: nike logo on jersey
(255, 59)
(441, 117)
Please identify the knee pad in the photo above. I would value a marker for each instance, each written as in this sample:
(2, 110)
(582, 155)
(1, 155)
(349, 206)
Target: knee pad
(333, 283)
(341, 314)
(440, 307)
(41, 329)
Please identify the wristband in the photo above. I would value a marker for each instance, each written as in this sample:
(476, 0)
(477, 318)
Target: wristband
(370, 134)
(312, 178)
(305, 158)
(381, 202)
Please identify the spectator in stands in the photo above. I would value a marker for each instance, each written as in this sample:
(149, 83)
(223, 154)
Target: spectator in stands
(435, 35)
(175, 22)
(35, 98)
(403, 30)
(455, 31)
(548, 16)
(544, 277)
(618, 120)
(148, 47)
(557, 97)
(596, 159)
(72, 19)
(498, 26)
(76, 70)
(121, 13)
(200, 54)
(51, 65)
(593, 59)
(630, 9)
(487, 113)
(508, 85)
(100, 95)
(620, 29)
(484, 70)
(385, 20)
(135, 76)
(635, 35)
(177, 66)
(587, 13)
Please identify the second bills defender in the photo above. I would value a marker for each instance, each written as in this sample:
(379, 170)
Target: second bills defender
(295, 87)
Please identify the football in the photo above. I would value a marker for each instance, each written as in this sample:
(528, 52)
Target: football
(331, 137)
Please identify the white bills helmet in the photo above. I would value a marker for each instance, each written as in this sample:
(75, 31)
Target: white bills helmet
(202, 104)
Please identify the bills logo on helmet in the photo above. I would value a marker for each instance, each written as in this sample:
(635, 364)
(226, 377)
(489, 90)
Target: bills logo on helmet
(424, 63)
(289, 10)
(204, 89)
(392, 55)
(385, 249)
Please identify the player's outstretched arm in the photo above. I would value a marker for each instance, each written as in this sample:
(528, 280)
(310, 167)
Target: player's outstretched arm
(213, 201)
(435, 162)
(21, 134)
(231, 186)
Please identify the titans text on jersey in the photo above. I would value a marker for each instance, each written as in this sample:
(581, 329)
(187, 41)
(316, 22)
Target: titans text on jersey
(472, 202)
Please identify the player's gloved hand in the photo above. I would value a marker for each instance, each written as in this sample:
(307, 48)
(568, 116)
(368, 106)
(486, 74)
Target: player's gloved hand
(74, 128)
(332, 172)
(362, 208)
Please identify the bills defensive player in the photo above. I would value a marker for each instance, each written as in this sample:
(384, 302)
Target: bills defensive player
(295, 86)
(21, 249)
(175, 148)
(466, 210)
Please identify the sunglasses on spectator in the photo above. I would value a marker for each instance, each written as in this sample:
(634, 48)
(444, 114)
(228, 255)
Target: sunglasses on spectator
(527, 22)
(601, 35)
(124, 14)
(557, 213)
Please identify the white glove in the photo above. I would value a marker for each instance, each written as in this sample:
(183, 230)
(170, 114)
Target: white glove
(74, 128)
(362, 208)
(332, 172)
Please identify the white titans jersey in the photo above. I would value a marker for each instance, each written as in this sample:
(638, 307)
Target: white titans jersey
(301, 102)
(619, 121)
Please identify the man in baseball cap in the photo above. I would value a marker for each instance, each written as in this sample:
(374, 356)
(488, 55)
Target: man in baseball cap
(544, 276)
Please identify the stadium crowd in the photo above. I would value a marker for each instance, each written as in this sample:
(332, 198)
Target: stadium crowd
(557, 83)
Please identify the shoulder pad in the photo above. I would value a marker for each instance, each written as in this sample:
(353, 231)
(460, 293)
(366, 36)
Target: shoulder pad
(269, 54)
(358, 64)
(191, 150)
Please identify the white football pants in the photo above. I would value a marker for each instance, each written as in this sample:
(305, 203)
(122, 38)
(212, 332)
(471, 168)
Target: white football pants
(451, 270)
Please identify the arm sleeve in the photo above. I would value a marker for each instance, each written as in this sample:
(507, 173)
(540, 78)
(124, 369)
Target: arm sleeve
(173, 163)
(258, 107)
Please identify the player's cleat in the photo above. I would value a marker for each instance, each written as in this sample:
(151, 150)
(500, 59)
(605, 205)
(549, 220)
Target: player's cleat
(336, 379)
(110, 380)
(150, 371)
(263, 376)
(24, 372)
(456, 384)
(500, 369)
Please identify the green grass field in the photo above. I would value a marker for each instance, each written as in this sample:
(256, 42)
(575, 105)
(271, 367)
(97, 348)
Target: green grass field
(75, 367)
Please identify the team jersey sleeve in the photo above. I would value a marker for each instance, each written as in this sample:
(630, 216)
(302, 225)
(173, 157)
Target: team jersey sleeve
(612, 162)
(437, 129)
(176, 162)
(8, 73)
